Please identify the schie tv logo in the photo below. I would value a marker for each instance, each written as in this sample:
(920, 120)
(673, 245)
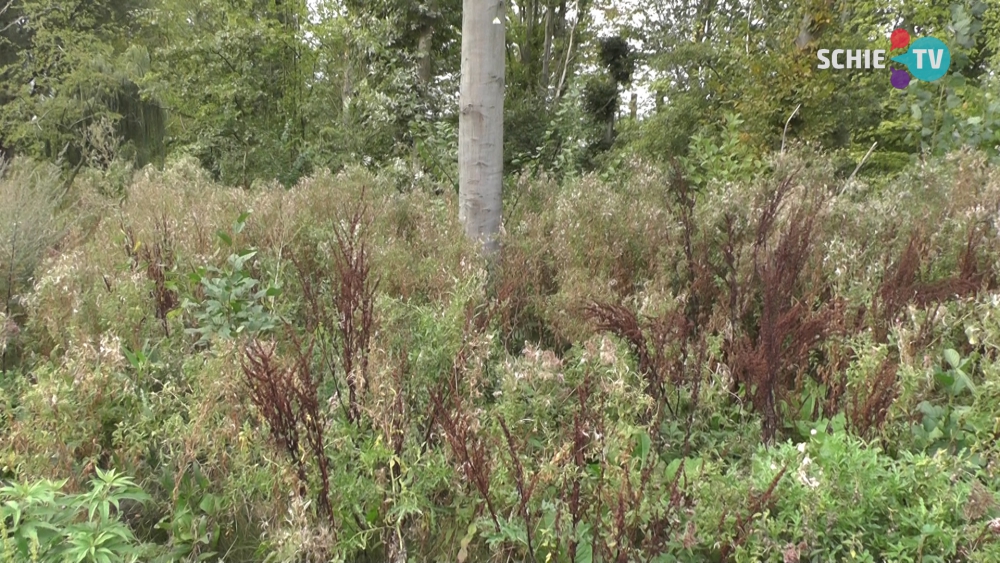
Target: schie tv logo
(926, 59)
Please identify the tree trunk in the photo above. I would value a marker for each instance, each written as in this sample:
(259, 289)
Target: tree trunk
(424, 56)
(480, 123)
(547, 52)
(528, 19)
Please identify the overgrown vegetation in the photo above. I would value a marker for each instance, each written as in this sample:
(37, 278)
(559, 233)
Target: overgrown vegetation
(744, 310)
(763, 370)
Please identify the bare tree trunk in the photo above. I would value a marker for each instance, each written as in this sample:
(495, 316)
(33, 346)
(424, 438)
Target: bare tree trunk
(561, 87)
(480, 123)
(547, 55)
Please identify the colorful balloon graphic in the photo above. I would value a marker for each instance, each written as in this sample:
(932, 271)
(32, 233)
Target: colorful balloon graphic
(900, 79)
(900, 38)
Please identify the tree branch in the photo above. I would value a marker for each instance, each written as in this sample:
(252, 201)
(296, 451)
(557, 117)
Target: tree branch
(785, 132)
(4, 11)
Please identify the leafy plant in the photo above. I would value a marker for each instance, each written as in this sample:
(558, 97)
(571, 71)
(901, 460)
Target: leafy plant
(234, 302)
(193, 526)
(720, 154)
(951, 426)
(43, 524)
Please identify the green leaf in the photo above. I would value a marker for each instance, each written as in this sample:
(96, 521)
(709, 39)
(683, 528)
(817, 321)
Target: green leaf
(963, 381)
(207, 504)
(643, 446)
(463, 552)
(952, 357)
(808, 406)
(945, 378)
(672, 468)
(226, 239)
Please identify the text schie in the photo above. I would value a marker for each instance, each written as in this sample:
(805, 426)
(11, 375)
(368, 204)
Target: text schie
(866, 59)
(856, 58)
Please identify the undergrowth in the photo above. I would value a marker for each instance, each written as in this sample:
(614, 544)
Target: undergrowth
(656, 369)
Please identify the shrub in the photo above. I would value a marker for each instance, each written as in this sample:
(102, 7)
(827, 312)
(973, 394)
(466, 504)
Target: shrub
(234, 302)
(845, 501)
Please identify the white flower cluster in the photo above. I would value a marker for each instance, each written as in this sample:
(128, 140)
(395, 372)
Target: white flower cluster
(803, 471)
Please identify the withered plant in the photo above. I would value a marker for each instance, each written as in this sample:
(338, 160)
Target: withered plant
(159, 258)
(355, 303)
(756, 505)
(658, 344)
(783, 321)
(523, 278)
(467, 443)
(902, 285)
(340, 301)
(524, 487)
(870, 403)
(287, 397)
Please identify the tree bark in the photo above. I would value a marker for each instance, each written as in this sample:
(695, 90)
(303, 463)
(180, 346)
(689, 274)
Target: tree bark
(547, 51)
(424, 55)
(480, 123)
(561, 87)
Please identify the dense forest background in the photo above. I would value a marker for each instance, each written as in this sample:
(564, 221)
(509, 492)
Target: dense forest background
(262, 90)
(744, 309)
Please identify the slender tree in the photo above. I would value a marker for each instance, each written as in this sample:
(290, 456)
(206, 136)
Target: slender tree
(480, 123)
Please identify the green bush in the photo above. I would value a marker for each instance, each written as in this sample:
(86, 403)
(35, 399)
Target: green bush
(234, 301)
(843, 500)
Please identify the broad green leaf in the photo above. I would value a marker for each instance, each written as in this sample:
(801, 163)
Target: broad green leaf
(643, 446)
(952, 357)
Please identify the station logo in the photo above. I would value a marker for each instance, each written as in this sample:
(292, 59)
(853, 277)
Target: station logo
(926, 59)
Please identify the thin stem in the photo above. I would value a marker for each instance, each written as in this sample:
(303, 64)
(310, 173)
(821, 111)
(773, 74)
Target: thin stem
(858, 167)
(785, 132)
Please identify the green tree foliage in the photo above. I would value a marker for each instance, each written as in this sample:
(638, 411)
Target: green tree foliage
(760, 61)
(68, 66)
(233, 76)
